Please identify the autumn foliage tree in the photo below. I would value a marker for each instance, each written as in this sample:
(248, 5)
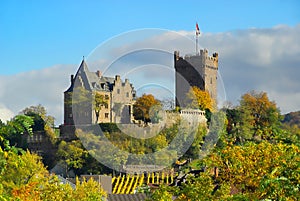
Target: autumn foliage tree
(20, 171)
(259, 171)
(256, 118)
(147, 108)
(264, 114)
(199, 99)
(24, 177)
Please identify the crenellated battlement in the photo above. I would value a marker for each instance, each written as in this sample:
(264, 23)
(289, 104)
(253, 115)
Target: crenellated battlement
(198, 70)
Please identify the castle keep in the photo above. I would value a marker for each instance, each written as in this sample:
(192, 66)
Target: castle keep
(195, 70)
(119, 97)
(198, 70)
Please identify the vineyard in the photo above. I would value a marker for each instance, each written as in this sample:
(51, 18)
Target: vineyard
(128, 184)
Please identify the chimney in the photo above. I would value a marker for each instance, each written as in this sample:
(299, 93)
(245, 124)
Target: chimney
(98, 73)
(216, 55)
(72, 79)
(176, 55)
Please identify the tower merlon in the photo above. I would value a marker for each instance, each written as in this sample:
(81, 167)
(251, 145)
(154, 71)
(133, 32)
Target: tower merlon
(195, 70)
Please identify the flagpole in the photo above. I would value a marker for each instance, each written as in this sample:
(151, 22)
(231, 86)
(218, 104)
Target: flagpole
(196, 44)
(197, 34)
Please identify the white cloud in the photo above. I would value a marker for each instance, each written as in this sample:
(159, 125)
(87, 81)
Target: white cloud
(253, 59)
(43, 87)
(260, 59)
(5, 113)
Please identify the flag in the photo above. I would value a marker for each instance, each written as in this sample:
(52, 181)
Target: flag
(197, 29)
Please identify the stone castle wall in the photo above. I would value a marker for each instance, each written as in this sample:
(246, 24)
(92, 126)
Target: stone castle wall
(195, 70)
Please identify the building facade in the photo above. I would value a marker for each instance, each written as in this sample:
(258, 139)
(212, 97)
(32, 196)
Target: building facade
(79, 98)
(198, 70)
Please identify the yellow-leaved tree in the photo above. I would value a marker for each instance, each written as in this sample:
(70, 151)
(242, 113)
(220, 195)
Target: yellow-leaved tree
(24, 177)
(147, 108)
(264, 171)
(199, 99)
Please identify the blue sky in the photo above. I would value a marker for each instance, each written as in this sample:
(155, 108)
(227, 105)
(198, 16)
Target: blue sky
(42, 44)
(39, 34)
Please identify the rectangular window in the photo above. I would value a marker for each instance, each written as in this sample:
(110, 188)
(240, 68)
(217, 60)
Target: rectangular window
(118, 91)
(106, 97)
(127, 94)
(106, 115)
(106, 106)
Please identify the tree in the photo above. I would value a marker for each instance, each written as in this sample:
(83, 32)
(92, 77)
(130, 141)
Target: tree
(195, 149)
(53, 189)
(163, 193)
(88, 190)
(42, 121)
(239, 125)
(98, 103)
(261, 113)
(39, 110)
(20, 170)
(10, 133)
(72, 153)
(259, 171)
(24, 177)
(202, 187)
(199, 99)
(147, 108)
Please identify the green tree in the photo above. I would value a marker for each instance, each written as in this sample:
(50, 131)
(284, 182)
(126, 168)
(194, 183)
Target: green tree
(163, 193)
(202, 187)
(239, 126)
(195, 149)
(42, 121)
(72, 153)
(262, 114)
(41, 118)
(98, 103)
(290, 134)
(256, 118)
(10, 133)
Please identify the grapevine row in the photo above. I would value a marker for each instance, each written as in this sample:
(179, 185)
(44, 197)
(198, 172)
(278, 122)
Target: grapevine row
(127, 184)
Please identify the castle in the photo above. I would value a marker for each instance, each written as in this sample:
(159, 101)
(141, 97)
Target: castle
(195, 70)
(198, 70)
(118, 96)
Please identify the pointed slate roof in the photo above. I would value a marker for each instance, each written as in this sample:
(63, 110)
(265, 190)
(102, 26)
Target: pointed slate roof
(83, 75)
(90, 80)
